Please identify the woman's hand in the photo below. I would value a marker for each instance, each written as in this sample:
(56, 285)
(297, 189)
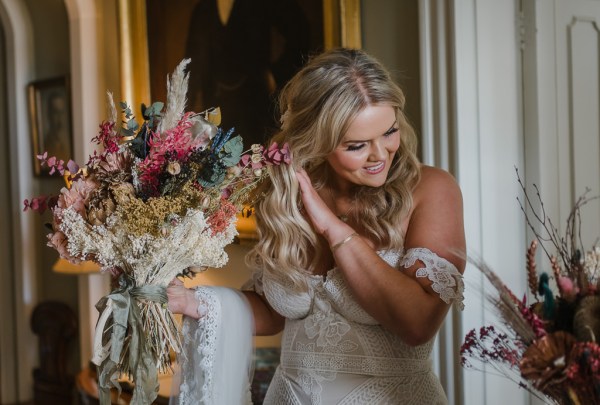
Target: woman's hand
(317, 211)
(182, 300)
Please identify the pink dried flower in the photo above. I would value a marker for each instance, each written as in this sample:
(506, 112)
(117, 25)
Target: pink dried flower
(38, 204)
(567, 287)
(226, 193)
(107, 137)
(536, 323)
(489, 346)
(58, 241)
(220, 220)
(275, 155)
(53, 163)
(77, 197)
(175, 144)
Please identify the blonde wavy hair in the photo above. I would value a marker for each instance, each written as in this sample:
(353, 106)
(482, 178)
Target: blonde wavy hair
(318, 106)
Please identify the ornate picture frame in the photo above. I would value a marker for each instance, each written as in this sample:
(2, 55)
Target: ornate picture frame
(340, 27)
(50, 120)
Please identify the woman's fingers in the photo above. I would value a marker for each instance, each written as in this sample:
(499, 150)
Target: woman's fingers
(176, 282)
(318, 212)
(176, 296)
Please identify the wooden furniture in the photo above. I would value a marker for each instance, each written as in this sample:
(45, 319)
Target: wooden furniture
(55, 324)
(87, 388)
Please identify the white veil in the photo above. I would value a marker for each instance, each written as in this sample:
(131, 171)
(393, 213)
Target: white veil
(217, 359)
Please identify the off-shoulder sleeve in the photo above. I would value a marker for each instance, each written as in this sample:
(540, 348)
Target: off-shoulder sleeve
(446, 279)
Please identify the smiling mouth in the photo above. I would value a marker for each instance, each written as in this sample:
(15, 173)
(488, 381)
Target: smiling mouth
(375, 169)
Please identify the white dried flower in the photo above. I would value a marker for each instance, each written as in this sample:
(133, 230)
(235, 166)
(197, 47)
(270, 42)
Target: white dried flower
(234, 171)
(256, 158)
(173, 168)
(592, 264)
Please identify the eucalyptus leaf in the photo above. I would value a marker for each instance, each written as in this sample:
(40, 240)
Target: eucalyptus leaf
(156, 108)
(126, 132)
(139, 145)
(133, 125)
(232, 151)
(126, 110)
(208, 180)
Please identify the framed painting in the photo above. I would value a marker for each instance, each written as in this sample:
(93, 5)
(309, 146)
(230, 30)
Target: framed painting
(242, 52)
(155, 35)
(50, 120)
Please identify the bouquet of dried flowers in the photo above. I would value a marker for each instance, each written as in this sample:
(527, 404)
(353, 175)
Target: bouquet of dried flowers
(549, 346)
(159, 199)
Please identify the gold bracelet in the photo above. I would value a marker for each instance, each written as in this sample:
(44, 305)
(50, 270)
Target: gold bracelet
(337, 245)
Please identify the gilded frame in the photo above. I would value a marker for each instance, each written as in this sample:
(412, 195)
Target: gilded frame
(341, 27)
(49, 105)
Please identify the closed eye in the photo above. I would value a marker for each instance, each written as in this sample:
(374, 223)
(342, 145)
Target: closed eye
(359, 146)
(390, 131)
(354, 147)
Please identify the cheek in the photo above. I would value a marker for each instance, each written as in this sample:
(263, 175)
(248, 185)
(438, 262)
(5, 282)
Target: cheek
(346, 162)
(394, 144)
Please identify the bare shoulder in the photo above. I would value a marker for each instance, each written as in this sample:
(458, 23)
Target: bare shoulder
(436, 222)
(436, 184)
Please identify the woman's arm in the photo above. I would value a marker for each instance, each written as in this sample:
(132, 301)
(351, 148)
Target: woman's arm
(266, 320)
(402, 303)
(182, 300)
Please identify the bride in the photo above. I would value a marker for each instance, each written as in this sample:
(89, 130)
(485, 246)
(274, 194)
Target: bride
(359, 258)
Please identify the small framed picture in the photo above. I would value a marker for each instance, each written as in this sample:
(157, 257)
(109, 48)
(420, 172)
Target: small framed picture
(50, 120)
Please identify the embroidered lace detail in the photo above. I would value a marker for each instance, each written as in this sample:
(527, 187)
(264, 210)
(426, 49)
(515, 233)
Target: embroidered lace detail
(372, 391)
(280, 391)
(204, 339)
(374, 342)
(347, 363)
(333, 352)
(447, 280)
(329, 326)
(311, 383)
(343, 300)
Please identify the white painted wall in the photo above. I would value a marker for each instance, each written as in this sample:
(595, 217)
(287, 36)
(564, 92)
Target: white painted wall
(19, 71)
(490, 146)
(91, 66)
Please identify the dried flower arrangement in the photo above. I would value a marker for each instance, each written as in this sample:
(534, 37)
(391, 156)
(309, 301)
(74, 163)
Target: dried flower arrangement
(158, 200)
(548, 347)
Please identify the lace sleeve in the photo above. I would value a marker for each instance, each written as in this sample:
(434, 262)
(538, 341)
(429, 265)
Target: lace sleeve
(447, 280)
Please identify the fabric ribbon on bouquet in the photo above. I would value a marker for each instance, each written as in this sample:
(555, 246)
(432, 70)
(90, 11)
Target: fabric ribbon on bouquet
(121, 303)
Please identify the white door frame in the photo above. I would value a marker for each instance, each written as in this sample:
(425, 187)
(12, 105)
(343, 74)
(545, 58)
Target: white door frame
(18, 345)
(472, 112)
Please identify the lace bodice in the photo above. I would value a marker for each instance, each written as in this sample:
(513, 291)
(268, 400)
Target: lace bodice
(333, 352)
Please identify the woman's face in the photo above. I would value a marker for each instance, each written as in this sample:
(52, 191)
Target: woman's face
(365, 154)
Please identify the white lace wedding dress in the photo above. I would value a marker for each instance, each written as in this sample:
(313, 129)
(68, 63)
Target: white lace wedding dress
(332, 351)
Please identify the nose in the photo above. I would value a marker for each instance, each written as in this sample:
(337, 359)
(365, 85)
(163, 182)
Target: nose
(378, 151)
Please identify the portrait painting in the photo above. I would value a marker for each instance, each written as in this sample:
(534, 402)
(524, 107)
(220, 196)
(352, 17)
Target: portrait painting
(50, 120)
(242, 52)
